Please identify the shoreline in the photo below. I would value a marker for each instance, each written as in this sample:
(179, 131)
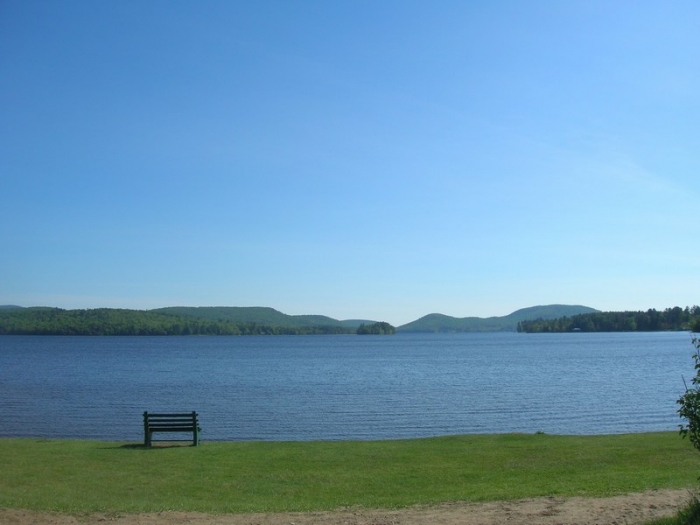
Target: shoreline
(126, 443)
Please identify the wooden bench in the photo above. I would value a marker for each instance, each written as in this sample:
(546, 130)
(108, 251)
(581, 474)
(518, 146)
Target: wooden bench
(180, 422)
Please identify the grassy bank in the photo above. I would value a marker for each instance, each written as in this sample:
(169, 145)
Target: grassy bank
(84, 476)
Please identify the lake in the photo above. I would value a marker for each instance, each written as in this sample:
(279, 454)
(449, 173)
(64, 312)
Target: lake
(345, 387)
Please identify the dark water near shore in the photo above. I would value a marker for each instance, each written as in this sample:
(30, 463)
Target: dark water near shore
(344, 387)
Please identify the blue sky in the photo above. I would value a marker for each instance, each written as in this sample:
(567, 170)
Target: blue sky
(360, 159)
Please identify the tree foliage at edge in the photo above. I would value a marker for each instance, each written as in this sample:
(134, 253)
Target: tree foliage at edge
(690, 403)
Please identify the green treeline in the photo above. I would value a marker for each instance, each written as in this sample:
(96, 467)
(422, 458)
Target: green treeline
(111, 321)
(676, 318)
(376, 329)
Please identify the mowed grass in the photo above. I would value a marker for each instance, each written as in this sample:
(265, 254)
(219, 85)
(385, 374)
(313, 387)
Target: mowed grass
(88, 476)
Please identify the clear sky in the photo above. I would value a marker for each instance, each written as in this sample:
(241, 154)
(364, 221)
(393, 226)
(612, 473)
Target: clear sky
(358, 159)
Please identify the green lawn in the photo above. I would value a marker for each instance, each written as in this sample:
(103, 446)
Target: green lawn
(87, 476)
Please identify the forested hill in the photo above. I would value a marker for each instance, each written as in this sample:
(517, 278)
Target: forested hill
(168, 321)
(675, 318)
(259, 315)
(509, 323)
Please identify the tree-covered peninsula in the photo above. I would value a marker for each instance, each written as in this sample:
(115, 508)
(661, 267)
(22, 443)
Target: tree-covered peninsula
(675, 318)
(376, 329)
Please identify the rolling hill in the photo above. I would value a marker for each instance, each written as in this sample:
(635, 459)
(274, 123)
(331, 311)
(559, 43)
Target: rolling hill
(258, 314)
(434, 323)
(233, 320)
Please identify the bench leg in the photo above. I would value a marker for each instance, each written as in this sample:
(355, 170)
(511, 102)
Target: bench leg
(146, 433)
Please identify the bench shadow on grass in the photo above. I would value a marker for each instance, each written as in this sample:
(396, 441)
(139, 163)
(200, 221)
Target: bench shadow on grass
(159, 446)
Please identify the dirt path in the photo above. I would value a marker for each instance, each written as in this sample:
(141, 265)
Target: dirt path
(629, 509)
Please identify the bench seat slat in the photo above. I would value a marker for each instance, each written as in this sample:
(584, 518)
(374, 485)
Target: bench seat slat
(166, 425)
(180, 414)
(172, 421)
(170, 429)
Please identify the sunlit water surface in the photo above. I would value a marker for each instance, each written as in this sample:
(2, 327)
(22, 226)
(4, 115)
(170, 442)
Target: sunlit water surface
(344, 387)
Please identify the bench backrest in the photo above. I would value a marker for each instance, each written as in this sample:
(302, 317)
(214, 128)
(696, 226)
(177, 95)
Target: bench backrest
(182, 419)
(175, 422)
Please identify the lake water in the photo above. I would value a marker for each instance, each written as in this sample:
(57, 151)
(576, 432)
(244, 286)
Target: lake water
(344, 387)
